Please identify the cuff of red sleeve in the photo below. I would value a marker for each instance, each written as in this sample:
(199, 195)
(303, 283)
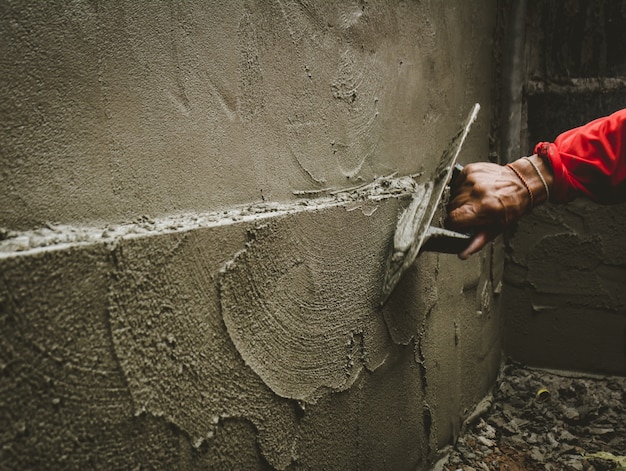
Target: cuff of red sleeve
(561, 189)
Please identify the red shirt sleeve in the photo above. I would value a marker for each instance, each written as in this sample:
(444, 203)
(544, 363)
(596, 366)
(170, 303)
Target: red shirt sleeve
(589, 161)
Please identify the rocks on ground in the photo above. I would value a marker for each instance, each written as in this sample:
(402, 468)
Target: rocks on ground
(545, 420)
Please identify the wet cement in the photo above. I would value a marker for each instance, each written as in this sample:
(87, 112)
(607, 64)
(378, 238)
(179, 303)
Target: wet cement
(156, 282)
(302, 306)
(98, 357)
(113, 112)
(196, 341)
(160, 172)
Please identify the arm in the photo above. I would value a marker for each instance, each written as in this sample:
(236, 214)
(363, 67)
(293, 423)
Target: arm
(589, 161)
(586, 161)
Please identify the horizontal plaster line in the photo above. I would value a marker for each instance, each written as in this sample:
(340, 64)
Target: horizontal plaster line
(60, 237)
(576, 85)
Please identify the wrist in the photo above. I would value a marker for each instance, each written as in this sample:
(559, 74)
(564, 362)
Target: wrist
(522, 199)
(544, 172)
(537, 176)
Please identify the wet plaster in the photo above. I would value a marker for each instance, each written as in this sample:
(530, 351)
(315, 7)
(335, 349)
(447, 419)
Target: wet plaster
(160, 307)
(302, 306)
(65, 400)
(113, 112)
(120, 338)
(565, 289)
(168, 335)
(100, 370)
(181, 285)
(252, 330)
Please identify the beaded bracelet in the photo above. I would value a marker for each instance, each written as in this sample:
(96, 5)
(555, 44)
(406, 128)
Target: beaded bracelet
(530, 192)
(543, 180)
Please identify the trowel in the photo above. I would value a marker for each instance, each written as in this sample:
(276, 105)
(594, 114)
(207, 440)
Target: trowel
(414, 231)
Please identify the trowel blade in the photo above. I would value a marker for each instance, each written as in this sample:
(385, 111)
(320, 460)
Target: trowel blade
(416, 219)
(445, 241)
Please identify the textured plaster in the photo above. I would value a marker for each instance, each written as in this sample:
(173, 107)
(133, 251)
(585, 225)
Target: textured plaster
(181, 284)
(65, 399)
(122, 339)
(316, 320)
(114, 111)
(565, 292)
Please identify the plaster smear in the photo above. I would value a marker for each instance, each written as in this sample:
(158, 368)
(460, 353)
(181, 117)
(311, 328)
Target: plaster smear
(171, 344)
(299, 302)
(58, 236)
(163, 309)
(65, 400)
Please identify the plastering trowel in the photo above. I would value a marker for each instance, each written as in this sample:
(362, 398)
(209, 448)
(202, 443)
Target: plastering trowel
(414, 232)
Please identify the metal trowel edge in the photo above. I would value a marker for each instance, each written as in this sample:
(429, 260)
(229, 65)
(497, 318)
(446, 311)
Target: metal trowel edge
(413, 230)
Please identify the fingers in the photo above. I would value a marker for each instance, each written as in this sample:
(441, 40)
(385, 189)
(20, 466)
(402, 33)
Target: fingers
(467, 212)
(477, 243)
(462, 217)
(469, 194)
(485, 197)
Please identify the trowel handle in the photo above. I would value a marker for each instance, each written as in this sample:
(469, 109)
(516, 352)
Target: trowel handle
(458, 168)
(456, 171)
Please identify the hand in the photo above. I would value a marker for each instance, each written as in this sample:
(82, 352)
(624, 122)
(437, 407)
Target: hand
(489, 198)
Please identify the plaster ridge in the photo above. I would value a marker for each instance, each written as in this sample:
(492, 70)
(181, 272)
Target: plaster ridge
(63, 236)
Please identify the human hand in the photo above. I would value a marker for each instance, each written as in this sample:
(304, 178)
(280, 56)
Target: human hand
(489, 198)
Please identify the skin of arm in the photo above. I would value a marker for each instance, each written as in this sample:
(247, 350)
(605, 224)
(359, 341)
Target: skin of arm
(587, 161)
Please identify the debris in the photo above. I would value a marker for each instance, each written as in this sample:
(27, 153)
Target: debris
(619, 460)
(480, 410)
(542, 395)
(580, 425)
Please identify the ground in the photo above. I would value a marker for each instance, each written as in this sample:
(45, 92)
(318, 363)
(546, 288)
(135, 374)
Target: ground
(544, 420)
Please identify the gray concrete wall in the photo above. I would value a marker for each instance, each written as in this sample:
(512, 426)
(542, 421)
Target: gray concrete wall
(167, 301)
(564, 295)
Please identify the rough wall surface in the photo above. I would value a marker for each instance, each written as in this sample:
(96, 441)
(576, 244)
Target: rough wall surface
(234, 324)
(115, 110)
(564, 296)
(566, 278)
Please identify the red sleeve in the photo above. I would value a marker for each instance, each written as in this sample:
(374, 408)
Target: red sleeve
(589, 161)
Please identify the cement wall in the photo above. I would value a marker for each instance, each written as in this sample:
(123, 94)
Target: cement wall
(167, 301)
(113, 111)
(565, 278)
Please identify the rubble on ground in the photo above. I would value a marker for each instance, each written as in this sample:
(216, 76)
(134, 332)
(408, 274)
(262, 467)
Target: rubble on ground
(544, 420)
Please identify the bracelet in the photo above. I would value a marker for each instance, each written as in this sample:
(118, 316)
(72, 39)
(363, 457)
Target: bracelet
(543, 180)
(530, 192)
